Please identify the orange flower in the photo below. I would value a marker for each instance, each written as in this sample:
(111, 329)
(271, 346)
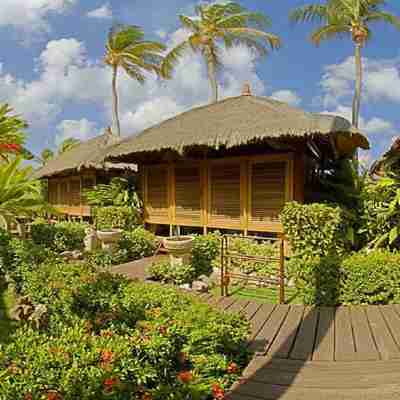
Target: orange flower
(28, 396)
(147, 396)
(106, 356)
(232, 368)
(217, 392)
(185, 376)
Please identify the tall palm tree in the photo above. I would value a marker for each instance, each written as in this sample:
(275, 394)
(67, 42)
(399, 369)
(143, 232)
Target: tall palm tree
(126, 48)
(346, 18)
(227, 24)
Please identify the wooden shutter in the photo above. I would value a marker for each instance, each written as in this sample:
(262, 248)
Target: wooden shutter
(224, 195)
(64, 197)
(157, 194)
(75, 192)
(52, 191)
(267, 191)
(187, 195)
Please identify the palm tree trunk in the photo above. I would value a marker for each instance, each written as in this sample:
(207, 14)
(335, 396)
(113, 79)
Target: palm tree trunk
(116, 125)
(212, 77)
(357, 91)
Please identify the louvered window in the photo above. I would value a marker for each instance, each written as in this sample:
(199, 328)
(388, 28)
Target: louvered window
(188, 194)
(157, 192)
(225, 195)
(75, 192)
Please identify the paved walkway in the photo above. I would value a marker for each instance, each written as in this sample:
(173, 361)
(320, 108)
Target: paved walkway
(324, 353)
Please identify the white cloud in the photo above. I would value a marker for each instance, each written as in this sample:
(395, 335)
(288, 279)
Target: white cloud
(381, 81)
(79, 129)
(103, 12)
(31, 15)
(287, 96)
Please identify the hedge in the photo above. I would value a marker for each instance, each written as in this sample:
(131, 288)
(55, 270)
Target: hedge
(116, 217)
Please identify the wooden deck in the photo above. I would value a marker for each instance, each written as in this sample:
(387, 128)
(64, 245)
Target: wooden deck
(318, 352)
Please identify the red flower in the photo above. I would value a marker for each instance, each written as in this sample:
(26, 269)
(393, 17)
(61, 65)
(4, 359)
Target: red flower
(109, 384)
(53, 395)
(232, 368)
(185, 376)
(12, 147)
(217, 392)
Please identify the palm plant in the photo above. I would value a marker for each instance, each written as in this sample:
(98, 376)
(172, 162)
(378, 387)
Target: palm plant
(19, 193)
(227, 24)
(126, 48)
(45, 156)
(67, 145)
(346, 18)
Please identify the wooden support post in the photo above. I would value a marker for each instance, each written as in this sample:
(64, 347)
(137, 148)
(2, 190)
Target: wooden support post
(222, 268)
(282, 272)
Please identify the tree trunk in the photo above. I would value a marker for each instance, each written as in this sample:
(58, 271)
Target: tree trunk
(212, 76)
(358, 86)
(116, 129)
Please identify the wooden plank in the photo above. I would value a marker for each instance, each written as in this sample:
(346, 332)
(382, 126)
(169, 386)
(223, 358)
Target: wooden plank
(225, 302)
(393, 321)
(250, 310)
(324, 347)
(387, 347)
(259, 319)
(304, 344)
(283, 343)
(244, 195)
(344, 342)
(364, 341)
(238, 306)
(270, 329)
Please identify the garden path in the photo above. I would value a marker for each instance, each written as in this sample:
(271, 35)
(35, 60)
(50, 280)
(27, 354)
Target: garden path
(323, 353)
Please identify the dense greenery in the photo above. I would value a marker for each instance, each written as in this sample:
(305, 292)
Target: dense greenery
(59, 237)
(105, 337)
(316, 229)
(177, 274)
(116, 217)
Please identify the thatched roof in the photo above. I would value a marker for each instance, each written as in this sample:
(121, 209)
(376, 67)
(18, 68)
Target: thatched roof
(233, 122)
(389, 161)
(90, 154)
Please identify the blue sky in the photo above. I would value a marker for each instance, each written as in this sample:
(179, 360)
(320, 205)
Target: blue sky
(51, 68)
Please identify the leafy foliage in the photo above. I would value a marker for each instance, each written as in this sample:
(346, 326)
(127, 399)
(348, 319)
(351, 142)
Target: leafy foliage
(371, 278)
(59, 237)
(205, 253)
(176, 274)
(116, 217)
(109, 338)
(316, 229)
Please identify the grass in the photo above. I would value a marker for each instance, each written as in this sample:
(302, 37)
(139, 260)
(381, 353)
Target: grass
(6, 324)
(268, 295)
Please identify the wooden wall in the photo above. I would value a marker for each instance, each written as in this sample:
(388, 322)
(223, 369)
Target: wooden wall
(65, 193)
(243, 193)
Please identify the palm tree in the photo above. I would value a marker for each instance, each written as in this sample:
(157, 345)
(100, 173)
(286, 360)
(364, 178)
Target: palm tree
(126, 48)
(45, 156)
(346, 18)
(227, 24)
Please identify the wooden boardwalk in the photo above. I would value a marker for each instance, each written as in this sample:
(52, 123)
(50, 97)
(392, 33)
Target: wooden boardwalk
(318, 352)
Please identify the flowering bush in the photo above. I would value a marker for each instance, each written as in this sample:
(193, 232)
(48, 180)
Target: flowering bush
(110, 338)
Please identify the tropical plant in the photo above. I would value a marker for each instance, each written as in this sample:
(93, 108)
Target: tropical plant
(126, 48)
(214, 25)
(68, 144)
(19, 193)
(45, 156)
(343, 18)
(12, 136)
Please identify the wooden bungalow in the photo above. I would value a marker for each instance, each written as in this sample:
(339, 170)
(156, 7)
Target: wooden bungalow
(78, 169)
(233, 164)
(389, 162)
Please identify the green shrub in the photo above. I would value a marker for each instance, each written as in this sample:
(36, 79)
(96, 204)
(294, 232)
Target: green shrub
(116, 217)
(110, 338)
(371, 278)
(178, 275)
(59, 237)
(102, 258)
(251, 247)
(317, 279)
(5, 255)
(137, 244)
(316, 229)
(205, 252)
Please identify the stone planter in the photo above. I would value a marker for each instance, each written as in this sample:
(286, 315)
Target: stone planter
(179, 248)
(109, 238)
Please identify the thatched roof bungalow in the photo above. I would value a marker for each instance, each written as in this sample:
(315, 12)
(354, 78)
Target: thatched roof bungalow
(233, 164)
(388, 162)
(80, 168)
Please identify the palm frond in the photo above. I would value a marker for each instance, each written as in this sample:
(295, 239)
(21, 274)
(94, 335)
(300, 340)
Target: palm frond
(329, 32)
(273, 40)
(189, 23)
(310, 12)
(122, 36)
(382, 16)
(146, 47)
(134, 72)
(258, 20)
(172, 59)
